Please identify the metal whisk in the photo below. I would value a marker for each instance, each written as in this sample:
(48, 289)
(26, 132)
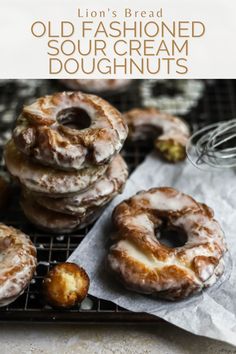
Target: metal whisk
(214, 146)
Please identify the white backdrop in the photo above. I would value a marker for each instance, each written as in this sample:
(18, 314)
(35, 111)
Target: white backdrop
(24, 56)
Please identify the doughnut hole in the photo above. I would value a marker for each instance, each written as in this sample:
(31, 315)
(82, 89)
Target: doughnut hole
(5, 192)
(146, 132)
(171, 150)
(172, 237)
(65, 285)
(74, 118)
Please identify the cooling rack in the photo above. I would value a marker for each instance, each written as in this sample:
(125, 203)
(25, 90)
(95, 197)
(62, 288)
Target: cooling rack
(208, 101)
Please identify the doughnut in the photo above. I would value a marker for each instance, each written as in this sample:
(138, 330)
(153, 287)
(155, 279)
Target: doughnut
(18, 263)
(46, 180)
(52, 221)
(145, 265)
(65, 285)
(170, 133)
(5, 192)
(98, 85)
(70, 130)
(99, 194)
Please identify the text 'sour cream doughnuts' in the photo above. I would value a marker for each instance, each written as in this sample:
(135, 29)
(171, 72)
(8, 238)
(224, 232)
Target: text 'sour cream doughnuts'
(18, 263)
(147, 266)
(100, 193)
(70, 130)
(170, 133)
(46, 180)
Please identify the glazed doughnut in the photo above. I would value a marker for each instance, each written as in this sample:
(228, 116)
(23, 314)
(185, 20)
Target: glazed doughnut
(18, 263)
(170, 133)
(147, 266)
(99, 194)
(70, 130)
(98, 85)
(65, 285)
(46, 180)
(52, 221)
(5, 192)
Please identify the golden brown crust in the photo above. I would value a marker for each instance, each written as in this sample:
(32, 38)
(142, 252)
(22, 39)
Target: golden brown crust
(5, 192)
(146, 265)
(170, 133)
(41, 133)
(65, 285)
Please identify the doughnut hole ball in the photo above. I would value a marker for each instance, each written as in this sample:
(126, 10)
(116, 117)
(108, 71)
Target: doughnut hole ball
(65, 285)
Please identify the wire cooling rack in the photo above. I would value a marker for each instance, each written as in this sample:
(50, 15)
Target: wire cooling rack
(208, 101)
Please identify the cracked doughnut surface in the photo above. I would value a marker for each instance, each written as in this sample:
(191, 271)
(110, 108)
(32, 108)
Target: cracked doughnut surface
(18, 263)
(145, 265)
(100, 193)
(46, 180)
(70, 130)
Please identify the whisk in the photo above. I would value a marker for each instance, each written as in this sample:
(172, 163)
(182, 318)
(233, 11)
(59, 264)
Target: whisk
(214, 146)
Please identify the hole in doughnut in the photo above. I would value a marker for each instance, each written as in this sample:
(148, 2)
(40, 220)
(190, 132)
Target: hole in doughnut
(152, 132)
(74, 118)
(171, 236)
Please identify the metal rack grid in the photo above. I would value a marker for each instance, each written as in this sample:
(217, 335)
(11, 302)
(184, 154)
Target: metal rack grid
(217, 103)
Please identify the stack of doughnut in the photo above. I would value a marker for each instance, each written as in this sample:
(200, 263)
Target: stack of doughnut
(65, 154)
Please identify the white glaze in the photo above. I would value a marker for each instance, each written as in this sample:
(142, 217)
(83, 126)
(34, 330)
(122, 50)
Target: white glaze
(150, 260)
(100, 193)
(201, 258)
(66, 148)
(46, 180)
(162, 201)
(18, 263)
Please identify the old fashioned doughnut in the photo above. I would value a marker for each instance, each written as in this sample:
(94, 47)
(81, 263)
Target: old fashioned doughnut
(99, 194)
(5, 192)
(18, 263)
(70, 131)
(98, 85)
(52, 221)
(170, 133)
(65, 285)
(46, 180)
(146, 265)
